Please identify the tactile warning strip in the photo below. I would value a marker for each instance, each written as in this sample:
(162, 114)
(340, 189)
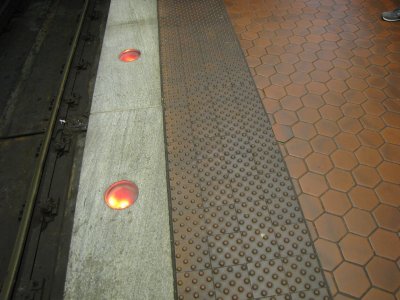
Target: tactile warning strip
(238, 229)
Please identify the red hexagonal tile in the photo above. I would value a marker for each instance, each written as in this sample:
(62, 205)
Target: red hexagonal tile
(366, 176)
(330, 112)
(388, 193)
(275, 92)
(312, 101)
(350, 125)
(330, 227)
(386, 244)
(296, 166)
(344, 159)
(297, 147)
(285, 117)
(328, 253)
(363, 198)
(347, 141)
(390, 172)
(356, 249)
(391, 119)
(370, 138)
(360, 222)
(352, 110)
(296, 90)
(313, 184)
(388, 217)
(311, 206)
(334, 98)
(318, 163)
(373, 108)
(340, 180)
(282, 133)
(351, 279)
(375, 294)
(384, 274)
(304, 130)
(309, 115)
(368, 156)
(390, 152)
(391, 135)
(336, 202)
(327, 127)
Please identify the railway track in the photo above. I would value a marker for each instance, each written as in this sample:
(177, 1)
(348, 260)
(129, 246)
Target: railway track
(45, 102)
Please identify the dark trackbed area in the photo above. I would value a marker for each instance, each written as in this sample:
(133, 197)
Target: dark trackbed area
(34, 46)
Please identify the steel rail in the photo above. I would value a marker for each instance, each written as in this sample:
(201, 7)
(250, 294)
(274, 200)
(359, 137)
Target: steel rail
(18, 249)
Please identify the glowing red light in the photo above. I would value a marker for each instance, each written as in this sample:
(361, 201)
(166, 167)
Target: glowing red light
(121, 194)
(129, 55)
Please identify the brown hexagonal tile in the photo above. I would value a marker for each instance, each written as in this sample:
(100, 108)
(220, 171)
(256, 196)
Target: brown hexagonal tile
(330, 227)
(391, 135)
(296, 90)
(368, 156)
(386, 243)
(370, 138)
(304, 130)
(390, 152)
(372, 122)
(356, 249)
(391, 119)
(265, 70)
(271, 105)
(344, 159)
(275, 92)
(311, 206)
(309, 115)
(330, 112)
(334, 98)
(261, 81)
(352, 110)
(282, 133)
(364, 198)
(269, 60)
(318, 163)
(336, 202)
(366, 176)
(388, 217)
(323, 144)
(296, 166)
(340, 180)
(354, 96)
(388, 193)
(291, 103)
(252, 61)
(256, 51)
(285, 117)
(316, 88)
(350, 125)
(384, 274)
(313, 184)
(390, 172)
(297, 147)
(360, 222)
(351, 279)
(373, 107)
(328, 253)
(375, 294)
(340, 296)
(347, 141)
(327, 127)
(312, 101)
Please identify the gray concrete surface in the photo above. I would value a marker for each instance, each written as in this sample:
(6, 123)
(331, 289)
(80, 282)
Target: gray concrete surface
(124, 254)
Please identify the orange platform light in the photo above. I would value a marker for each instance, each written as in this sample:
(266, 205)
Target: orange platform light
(121, 194)
(129, 55)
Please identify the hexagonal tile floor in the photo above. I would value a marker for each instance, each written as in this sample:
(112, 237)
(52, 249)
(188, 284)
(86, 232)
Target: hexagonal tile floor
(328, 72)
